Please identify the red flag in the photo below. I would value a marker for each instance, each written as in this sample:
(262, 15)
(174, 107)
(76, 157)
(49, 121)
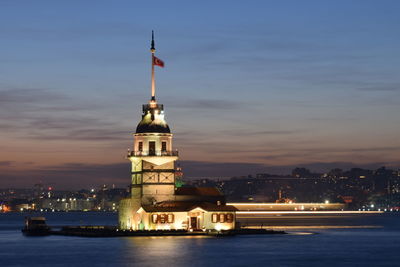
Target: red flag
(158, 62)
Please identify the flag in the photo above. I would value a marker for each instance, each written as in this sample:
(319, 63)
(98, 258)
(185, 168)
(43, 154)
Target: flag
(158, 62)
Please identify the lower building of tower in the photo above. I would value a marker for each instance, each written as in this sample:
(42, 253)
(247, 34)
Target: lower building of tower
(197, 211)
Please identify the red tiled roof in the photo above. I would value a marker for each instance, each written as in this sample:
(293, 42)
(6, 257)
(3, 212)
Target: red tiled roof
(181, 206)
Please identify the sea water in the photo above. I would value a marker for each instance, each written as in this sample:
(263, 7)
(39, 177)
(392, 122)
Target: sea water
(375, 243)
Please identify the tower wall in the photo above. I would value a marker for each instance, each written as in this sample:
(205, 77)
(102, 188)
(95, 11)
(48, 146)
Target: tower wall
(127, 214)
(153, 193)
(153, 174)
(158, 138)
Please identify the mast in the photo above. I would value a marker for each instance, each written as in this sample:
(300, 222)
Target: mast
(153, 82)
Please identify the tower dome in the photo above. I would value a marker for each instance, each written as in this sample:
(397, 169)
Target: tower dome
(153, 120)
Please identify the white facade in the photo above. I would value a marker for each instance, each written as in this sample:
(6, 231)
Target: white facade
(158, 138)
(196, 219)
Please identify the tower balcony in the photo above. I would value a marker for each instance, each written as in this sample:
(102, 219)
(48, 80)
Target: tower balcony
(147, 107)
(152, 153)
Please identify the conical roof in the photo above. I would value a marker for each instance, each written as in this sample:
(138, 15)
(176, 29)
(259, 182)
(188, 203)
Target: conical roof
(153, 120)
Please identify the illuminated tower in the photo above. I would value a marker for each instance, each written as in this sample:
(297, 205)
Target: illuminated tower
(152, 158)
(155, 201)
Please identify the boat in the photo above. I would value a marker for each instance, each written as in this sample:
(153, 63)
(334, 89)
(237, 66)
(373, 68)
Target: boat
(36, 226)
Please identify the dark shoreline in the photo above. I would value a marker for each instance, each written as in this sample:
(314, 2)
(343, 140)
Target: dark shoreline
(111, 231)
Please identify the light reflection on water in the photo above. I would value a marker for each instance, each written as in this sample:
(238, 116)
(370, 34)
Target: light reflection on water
(164, 250)
(329, 248)
(300, 227)
(347, 244)
(301, 233)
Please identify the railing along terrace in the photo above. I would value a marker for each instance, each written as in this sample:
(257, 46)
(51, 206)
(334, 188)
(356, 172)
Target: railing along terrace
(153, 153)
(153, 106)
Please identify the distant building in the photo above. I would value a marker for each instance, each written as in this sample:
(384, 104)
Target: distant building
(81, 204)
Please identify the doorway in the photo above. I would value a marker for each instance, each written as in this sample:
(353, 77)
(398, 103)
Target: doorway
(193, 223)
(152, 148)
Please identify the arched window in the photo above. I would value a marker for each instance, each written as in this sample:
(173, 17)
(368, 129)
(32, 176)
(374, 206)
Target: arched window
(162, 218)
(140, 146)
(154, 218)
(229, 217)
(214, 217)
(170, 218)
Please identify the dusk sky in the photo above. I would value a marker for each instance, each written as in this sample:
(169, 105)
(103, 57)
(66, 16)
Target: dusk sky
(248, 86)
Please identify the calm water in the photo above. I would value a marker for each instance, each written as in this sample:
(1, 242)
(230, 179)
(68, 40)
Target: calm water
(303, 247)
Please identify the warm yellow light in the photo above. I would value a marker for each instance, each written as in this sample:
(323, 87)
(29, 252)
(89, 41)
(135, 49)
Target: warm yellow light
(308, 212)
(275, 204)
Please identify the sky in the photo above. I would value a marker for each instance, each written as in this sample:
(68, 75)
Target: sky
(248, 86)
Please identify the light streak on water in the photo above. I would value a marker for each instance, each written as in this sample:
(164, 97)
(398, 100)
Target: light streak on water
(311, 212)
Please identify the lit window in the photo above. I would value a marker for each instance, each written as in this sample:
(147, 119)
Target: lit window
(163, 218)
(154, 218)
(214, 217)
(221, 218)
(229, 217)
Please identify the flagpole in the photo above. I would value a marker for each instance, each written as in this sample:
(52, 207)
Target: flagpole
(153, 82)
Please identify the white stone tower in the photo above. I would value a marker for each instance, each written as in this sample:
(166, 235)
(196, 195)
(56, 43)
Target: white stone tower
(153, 160)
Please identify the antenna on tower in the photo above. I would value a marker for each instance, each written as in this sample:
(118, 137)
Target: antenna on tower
(154, 62)
(153, 82)
(152, 49)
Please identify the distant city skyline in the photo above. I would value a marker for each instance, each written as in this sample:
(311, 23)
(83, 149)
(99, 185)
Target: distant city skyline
(247, 88)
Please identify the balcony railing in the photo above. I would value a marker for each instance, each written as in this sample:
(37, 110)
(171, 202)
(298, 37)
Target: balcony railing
(151, 153)
(147, 107)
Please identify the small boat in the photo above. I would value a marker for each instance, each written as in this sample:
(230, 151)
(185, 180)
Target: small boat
(36, 226)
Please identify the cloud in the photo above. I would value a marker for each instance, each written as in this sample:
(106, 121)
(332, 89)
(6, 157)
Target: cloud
(69, 176)
(380, 88)
(203, 169)
(46, 115)
(62, 33)
(196, 169)
(83, 130)
(347, 150)
(24, 103)
(27, 96)
(212, 104)
(6, 163)
(249, 132)
(298, 153)
(371, 149)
